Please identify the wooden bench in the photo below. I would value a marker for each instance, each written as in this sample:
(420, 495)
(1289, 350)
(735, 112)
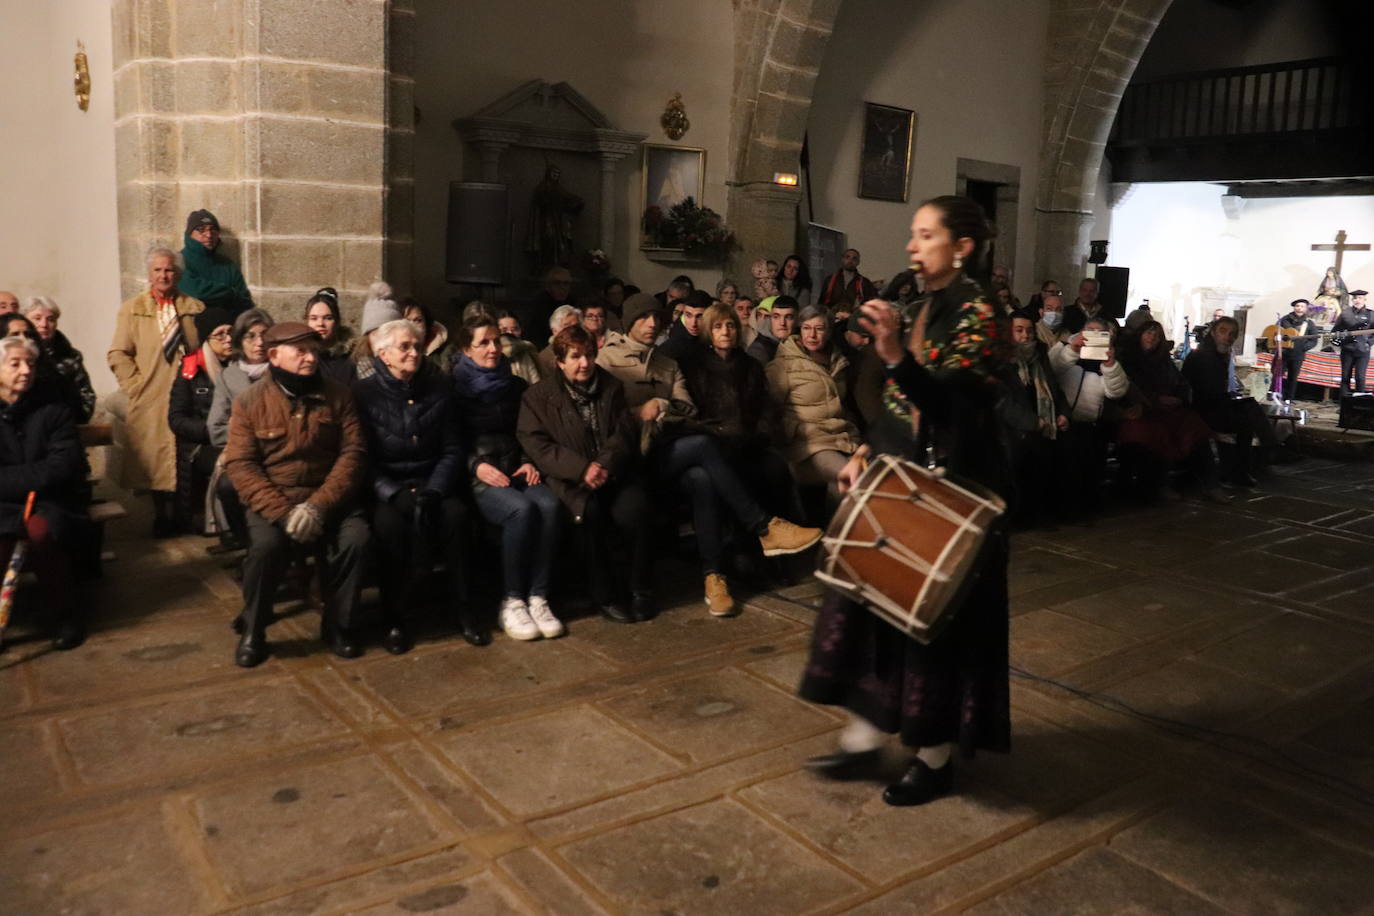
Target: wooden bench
(94, 436)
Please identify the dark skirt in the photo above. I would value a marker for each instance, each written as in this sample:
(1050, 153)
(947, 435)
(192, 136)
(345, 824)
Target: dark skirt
(953, 690)
(1172, 434)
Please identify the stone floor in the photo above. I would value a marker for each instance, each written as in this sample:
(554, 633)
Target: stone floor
(656, 768)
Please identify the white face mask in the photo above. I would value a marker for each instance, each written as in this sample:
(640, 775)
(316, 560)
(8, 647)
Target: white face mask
(1052, 319)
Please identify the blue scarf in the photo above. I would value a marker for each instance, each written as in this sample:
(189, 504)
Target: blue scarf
(474, 381)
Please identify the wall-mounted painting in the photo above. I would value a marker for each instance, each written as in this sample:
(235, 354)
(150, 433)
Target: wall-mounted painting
(671, 175)
(885, 161)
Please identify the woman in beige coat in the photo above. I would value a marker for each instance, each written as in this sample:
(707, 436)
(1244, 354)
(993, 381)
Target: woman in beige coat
(154, 330)
(807, 377)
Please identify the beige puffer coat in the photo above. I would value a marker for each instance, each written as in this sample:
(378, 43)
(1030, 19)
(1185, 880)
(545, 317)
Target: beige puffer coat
(812, 399)
(648, 375)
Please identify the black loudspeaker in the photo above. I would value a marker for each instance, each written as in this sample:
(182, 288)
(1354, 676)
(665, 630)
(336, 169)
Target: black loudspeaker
(1357, 412)
(478, 226)
(1111, 290)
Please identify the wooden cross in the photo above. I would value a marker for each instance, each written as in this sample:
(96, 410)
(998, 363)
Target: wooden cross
(1340, 248)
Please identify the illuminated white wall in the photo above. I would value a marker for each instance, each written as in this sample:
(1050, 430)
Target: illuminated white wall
(1179, 243)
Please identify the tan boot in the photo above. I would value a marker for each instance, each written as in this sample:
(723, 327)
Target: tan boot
(783, 537)
(718, 599)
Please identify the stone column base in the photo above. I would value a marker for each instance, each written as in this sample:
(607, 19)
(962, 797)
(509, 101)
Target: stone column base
(764, 219)
(1061, 248)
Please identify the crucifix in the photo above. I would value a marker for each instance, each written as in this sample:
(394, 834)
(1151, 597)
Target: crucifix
(1341, 248)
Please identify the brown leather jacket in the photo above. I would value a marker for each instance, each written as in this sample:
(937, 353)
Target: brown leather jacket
(283, 450)
(556, 439)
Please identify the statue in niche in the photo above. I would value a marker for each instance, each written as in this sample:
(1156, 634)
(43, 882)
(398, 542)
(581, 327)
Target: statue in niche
(552, 211)
(1331, 298)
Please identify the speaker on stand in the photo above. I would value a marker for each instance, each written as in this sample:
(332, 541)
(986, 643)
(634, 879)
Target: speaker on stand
(1113, 283)
(478, 237)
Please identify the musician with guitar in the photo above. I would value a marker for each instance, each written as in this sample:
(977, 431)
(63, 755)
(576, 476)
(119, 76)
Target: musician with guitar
(1354, 345)
(1296, 345)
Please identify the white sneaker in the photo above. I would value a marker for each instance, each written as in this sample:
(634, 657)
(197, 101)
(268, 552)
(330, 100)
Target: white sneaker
(515, 620)
(542, 615)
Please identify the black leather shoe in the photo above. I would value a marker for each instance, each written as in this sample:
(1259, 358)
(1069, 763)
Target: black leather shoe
(617, 613)
(844, 765)
(642, 607)
(474, 633)
(70, 634)
(396, 641)
(919, 784)
(252, 650)
(342, 643)
(1243, 479)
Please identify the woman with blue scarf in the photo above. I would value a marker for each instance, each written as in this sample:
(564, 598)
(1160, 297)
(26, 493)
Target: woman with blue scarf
(505, 484)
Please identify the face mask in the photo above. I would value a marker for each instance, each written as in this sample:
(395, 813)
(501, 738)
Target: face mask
(1052, 319)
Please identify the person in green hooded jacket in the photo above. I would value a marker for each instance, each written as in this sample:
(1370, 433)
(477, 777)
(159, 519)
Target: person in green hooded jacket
(210, 276)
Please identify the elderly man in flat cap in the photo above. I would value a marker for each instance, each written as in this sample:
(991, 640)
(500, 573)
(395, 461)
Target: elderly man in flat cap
(296, 456)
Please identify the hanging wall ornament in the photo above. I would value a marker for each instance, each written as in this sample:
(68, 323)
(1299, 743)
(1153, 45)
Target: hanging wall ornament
(674, 119)
(81, 82)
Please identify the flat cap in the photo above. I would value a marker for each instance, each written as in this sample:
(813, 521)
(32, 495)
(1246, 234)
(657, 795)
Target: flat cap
(289, 332)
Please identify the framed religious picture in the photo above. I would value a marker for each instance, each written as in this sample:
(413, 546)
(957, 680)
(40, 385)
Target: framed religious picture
(885, 159)
(671, 174)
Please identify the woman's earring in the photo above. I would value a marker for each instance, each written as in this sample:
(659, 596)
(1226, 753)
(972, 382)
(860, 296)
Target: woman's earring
(958, 262)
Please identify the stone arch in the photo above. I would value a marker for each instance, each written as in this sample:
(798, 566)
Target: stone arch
(1093, 51)
(778, 49)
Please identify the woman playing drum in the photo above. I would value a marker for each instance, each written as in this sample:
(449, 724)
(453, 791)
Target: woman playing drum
(939, 394)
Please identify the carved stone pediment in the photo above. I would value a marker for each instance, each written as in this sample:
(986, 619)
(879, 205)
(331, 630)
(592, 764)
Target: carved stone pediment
(547, 115)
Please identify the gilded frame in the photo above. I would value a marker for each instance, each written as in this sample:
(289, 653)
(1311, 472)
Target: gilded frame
(889, 133)
(656, 169)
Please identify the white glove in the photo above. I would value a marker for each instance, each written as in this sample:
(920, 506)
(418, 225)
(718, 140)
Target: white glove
(303, 524)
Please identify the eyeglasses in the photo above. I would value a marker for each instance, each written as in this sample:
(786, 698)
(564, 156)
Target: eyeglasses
(220, 335)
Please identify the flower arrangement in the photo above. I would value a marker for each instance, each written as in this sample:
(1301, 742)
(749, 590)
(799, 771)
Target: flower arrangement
(699, 232)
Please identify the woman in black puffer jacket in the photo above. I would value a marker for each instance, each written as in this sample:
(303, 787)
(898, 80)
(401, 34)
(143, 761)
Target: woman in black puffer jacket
(415, 457)
(505, 484)
(41, 459)
(188, 409)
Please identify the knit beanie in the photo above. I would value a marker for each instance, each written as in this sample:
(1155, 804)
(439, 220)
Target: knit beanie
(379, 308)
(636, 307)
(209, 319)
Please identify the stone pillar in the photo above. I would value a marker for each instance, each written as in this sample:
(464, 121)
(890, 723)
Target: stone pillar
(274, 114)
(399, 206)
(764, 218)
(606, 226)
(1061, 249)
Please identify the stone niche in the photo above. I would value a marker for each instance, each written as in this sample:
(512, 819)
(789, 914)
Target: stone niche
(538, 124)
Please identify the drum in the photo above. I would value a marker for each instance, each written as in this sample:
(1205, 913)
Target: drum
(904, 542)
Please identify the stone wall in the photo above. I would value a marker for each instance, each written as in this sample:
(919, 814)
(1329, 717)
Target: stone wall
(1094, 46)
(778, 49)
(281, 116)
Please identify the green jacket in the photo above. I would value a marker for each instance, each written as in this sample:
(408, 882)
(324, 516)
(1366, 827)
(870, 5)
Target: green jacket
(213, 278)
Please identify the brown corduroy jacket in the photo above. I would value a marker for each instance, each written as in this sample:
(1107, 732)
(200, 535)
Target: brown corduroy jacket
(283, 450)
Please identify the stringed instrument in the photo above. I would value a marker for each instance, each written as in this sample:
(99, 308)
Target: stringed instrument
(1282, 338)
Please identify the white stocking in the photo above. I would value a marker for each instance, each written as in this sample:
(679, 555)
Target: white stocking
(860, 735)
(935, 756)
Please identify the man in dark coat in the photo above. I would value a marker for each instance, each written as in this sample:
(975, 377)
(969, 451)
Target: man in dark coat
(1355, 346)
(209, 275)
(416, 456)
(1084, 307)
(1217, 395)
(846, 289)
(298, 458)
(558, 284)
(41, 459)
(1296, 351)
